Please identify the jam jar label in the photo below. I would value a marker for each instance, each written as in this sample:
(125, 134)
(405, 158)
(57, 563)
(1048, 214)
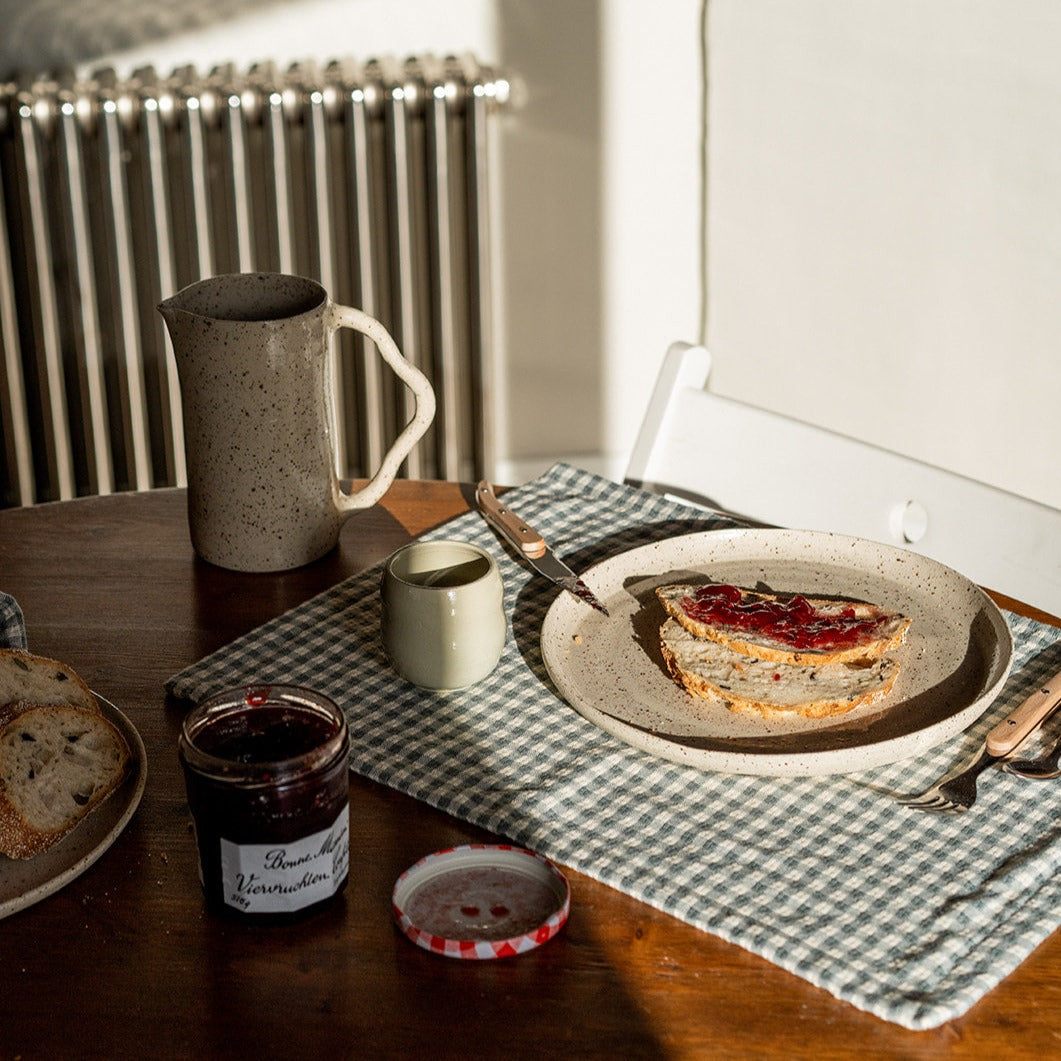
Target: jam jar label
(282, 877)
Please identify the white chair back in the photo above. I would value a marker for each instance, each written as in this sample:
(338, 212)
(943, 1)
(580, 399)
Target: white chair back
(732, 456)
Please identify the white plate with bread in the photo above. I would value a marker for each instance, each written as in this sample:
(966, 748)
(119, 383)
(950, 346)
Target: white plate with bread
(631, 673)
(72, 773)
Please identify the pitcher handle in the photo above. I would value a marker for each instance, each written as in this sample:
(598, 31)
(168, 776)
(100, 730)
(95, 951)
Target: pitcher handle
(423, 413)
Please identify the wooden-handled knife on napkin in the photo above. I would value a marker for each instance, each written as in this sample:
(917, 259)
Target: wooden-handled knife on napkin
(531, 545)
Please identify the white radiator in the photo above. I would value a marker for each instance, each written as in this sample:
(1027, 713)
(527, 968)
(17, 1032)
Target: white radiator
(370, 178)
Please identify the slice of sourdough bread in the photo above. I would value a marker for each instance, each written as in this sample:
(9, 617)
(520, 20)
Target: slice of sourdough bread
(39, 680)
(57, 764)
(883, 630)
(713, 670)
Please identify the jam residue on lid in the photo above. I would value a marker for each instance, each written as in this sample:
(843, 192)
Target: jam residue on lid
(794, 622)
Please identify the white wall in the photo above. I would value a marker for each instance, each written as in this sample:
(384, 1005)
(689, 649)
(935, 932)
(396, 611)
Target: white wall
(601, 221)
(324, 29)
(885, 224)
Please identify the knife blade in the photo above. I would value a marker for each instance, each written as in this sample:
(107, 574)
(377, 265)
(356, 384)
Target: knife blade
(531, 545)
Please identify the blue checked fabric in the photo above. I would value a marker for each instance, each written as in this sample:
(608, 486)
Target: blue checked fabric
(12, 625)
(908, 915)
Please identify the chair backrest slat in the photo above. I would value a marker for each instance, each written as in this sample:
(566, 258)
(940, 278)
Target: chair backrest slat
(733, 456)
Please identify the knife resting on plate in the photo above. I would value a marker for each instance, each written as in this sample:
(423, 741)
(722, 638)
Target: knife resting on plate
(531, 545)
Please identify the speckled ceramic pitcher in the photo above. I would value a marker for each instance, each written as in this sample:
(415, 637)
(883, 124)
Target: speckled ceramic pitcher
(252, 354)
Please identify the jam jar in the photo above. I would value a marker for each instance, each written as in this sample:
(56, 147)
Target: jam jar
(265, 768)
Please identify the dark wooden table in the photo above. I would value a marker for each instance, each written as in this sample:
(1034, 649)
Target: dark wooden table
(125, 962)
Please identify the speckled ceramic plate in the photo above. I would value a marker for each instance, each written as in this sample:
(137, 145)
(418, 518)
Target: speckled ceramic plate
(24, 882)
(956, 658)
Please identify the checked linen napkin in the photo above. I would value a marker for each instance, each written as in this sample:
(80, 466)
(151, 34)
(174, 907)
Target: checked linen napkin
(12, 624)
(935, 910)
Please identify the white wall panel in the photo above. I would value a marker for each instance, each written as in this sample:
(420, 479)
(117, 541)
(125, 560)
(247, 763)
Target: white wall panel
(885, 224)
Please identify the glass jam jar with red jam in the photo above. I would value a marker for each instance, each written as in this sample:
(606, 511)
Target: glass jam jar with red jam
(266, 773)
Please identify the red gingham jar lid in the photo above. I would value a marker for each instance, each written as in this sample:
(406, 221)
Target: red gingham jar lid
(481, 901)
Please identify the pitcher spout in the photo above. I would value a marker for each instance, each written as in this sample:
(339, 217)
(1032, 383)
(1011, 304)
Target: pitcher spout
(179, 321)
(180, 309)
(171, 309)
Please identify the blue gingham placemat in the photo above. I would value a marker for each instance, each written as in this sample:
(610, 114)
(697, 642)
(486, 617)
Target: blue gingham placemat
(908, 915)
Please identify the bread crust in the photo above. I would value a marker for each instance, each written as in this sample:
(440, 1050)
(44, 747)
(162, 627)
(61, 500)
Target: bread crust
(749, 644)
(70, 786)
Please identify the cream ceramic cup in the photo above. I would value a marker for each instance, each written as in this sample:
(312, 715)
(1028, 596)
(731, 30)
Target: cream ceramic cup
(443, 618)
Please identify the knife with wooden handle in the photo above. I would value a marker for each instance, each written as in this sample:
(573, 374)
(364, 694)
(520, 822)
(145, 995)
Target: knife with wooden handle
(531, 545)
